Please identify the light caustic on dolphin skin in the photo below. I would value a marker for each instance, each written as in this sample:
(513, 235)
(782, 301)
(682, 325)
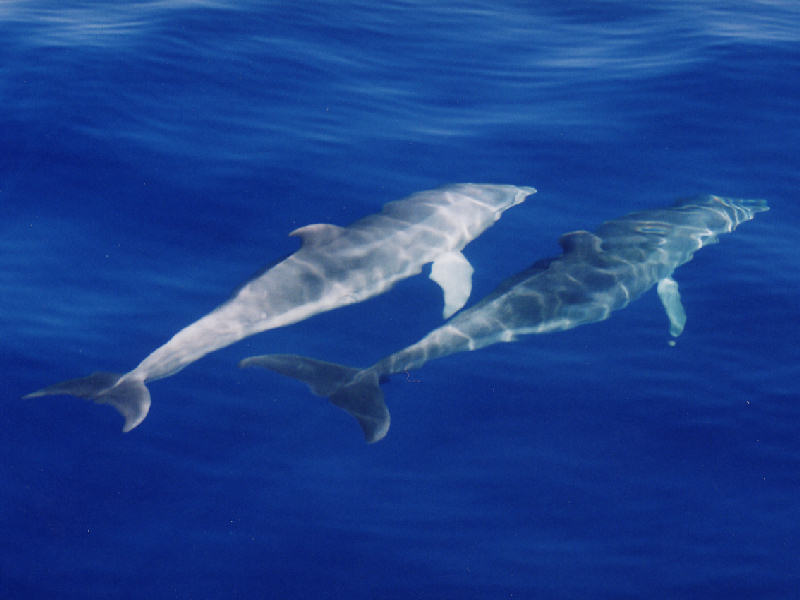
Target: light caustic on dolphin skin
(596, 274)
(335, 266)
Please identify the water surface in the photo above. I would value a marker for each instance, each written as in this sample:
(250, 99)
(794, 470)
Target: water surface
(156, 154)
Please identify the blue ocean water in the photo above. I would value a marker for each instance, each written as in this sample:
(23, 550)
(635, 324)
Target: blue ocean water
(154, 155)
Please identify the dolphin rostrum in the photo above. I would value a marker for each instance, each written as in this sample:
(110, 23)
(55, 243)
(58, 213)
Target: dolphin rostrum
(334, 267)
(596, 274)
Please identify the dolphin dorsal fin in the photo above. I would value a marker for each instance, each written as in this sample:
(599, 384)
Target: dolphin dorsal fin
(317, 233)
(580, 243)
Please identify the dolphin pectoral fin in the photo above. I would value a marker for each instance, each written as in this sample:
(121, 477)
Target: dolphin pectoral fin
(353, 390)
(671, 299)
(129, 396)
(453, 273)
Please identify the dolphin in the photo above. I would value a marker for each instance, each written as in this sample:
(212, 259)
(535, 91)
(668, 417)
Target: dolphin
(596, 274)
(334, 267)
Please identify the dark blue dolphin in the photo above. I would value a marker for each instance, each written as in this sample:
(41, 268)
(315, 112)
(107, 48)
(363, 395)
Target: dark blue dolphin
(596, 274)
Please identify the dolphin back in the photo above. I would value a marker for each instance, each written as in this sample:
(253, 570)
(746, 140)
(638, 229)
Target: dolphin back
(676, 232)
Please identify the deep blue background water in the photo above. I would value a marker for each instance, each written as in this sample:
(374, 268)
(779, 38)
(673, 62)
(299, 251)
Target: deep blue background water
(154, 155)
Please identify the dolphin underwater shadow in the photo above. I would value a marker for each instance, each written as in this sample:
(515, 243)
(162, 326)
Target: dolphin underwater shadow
(334, 267)
(597, 273)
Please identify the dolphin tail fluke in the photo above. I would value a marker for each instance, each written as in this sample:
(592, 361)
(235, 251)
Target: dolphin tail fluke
(364, 400)
(355, 391)
(128, 395)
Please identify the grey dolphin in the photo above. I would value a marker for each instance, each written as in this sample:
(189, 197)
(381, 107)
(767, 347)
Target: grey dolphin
(335, 266)
(596, 274)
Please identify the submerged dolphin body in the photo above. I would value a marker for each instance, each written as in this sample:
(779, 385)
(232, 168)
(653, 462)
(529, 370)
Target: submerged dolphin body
(335, 266)
(597, 274)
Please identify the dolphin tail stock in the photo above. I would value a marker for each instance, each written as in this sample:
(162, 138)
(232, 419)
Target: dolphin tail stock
(127, 394)
(357, 391)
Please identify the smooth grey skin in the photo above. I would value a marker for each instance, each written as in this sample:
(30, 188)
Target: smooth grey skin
(597, 273)
(335, 266)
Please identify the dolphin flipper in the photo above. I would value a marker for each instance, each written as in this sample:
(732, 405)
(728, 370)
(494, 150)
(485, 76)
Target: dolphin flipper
(670, 297)
(128, 395)
(355, 391)
(453, 273)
